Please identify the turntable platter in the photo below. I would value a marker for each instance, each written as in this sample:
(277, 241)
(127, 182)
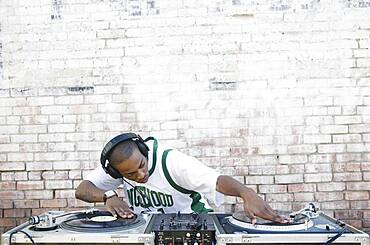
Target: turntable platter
(299, 222)
(100, 221)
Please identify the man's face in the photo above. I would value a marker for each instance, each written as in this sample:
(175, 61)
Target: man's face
(134, 168)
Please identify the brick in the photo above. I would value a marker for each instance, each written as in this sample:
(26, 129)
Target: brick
(348, 138)
(9, 166)
(347, 176)
(304, 197)
(259, 180)
(347, 120)
(30, 185)
(39, 194)
(10, 213)
(286, 197)
(301, 149)
(358, 195)
(360, 128)
(292, 159)
(9, 185)
(328, 196)
(317, 168)
(314, 139)
(66, 165)
(289, 178)
(331, 148)
(26, 204)
(57, 128)
(332, 186)
(20, 176)
(5, 203)
(322, 177)
(7, 222)
(58, 184)
(33, 129)
(21, 138)
(65, 194)
(32, 166)
(358, 186)
(50, 156)
(301, 187)
(55, 203)
(55, 175)
(272, 189)
(334, 129)
(360, 204)
(348, 214)
(20, 156)
(11, 195)
(9, 147)
(334, 205)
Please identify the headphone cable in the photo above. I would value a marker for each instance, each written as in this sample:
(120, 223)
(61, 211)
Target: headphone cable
(142, 195)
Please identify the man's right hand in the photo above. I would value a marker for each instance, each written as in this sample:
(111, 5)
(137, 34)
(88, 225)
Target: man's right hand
(117, 207)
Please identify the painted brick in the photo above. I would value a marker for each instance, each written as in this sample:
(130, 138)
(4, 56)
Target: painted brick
(322, 177)
(292, 159)
(347, 176)
(334, 129)
(331, 186)
(289, 178)
(358, 186)
(38, 194)
(58, 184)
(304, 197)
(11, 195)
(55, 203)
(358, 195)
(30, 185)
(331, 148)
(26, 204)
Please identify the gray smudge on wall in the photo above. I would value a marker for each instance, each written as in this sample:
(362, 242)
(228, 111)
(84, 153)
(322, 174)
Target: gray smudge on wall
(142, 7)
(1, 59)
(56, 12)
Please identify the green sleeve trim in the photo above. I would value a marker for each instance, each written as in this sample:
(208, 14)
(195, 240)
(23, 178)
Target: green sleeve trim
(155, 148)
(197, 206)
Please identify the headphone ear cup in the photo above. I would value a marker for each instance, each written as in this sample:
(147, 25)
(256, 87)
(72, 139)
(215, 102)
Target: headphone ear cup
(143, 148)
(113, 172)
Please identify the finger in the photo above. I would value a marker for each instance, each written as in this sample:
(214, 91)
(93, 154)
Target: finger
(251, 216)
(112, 212)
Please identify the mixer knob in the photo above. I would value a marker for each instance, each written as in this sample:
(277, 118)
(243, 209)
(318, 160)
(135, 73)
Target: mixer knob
(198, 234)
(188, 234)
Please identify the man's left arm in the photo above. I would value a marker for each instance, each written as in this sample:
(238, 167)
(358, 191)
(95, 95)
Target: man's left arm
(254, 205)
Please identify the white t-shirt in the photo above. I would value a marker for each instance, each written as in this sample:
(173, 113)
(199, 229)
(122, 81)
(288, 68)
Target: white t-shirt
(177, 182)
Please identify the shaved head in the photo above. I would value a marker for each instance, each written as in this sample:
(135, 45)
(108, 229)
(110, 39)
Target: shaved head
(122, 152)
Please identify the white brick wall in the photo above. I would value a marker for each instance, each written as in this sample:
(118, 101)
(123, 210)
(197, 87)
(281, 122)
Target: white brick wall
(276, 93)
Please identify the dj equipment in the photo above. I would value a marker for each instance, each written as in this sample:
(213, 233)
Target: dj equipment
(81, 227)
(108, 148)
(184, 229)
(307, 226)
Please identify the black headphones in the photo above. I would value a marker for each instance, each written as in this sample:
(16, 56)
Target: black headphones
(107, 150)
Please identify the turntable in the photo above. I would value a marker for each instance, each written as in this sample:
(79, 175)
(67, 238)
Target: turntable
(307, 226)
(81, 227)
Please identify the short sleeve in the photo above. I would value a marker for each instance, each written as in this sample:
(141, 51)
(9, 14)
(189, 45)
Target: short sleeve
(102, 180)
(190, 173)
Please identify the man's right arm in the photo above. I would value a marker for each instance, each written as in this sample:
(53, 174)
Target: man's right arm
(88, 192)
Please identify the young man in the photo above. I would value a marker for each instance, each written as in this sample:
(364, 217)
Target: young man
(157, 178)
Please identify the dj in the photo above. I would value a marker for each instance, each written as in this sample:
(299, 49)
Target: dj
(162, 179)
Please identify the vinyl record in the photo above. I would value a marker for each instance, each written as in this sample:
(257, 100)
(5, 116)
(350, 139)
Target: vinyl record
(93, 222)
(240, 220)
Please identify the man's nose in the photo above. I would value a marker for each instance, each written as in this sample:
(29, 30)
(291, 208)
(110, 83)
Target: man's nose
(141, 174)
